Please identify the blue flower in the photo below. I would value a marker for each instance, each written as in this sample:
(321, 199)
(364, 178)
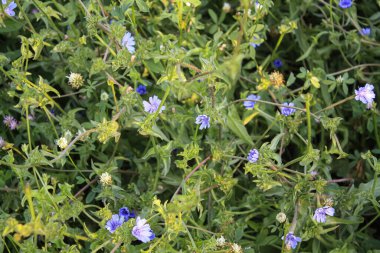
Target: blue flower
(142, 230)
(277, 63)
(320, 213)
(291, 240)
(251, 104)
(153, 104)
(126, 214)
(115, 222)
(365, 94)
(141, 89)
(286, 110)
(203, 120)
(10, 8)
(128, 42)
(255, 38)
(365, 31)
(253, 155)
(345, 4)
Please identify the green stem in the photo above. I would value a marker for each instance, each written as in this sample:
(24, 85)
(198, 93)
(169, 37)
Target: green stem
(26, 17)
(309, 146)
(375, 128)
(105, 44)
(28, 128)
(157, 176)
(50, 21)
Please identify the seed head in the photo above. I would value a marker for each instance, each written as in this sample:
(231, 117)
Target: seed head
(105, 179)
(75, 80)
(276, 78)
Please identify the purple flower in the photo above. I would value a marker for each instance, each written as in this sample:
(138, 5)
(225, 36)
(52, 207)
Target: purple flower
(128, 42)
(142, 230)
(365, 94)
(254, 45)
(10, 8)
(251, 104)
(277, 63)
(286, 110)
(10, 122)
(320, 213)
(291, 240)
(153, 104)
(253, 155)
(13, 125)
(141, 89)
(126, 214)
(365, 31)
(345, 4)
(115, 222)
(203, 120)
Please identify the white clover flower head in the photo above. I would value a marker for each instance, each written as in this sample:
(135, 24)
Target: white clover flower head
(62, 143)
(226, 7)
(281, 217)
(104, 96)
(188, 4)
(105, 179)
(75, 80)
(220, 241)
(236, 248)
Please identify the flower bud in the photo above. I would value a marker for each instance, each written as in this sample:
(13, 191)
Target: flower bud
(281, 217)
(220, 241)
(62, 143)
(226, 7)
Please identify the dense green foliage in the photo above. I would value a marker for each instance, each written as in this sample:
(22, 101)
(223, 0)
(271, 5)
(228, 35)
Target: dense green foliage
(81, 144)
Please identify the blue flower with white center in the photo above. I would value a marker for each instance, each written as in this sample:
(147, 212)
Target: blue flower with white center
(277, 63)
(366, 31)
(366, 94)
(291, 240)
(115, 222)
(128, 42)
(344, 4)
(203, 120)
(286, 110)
(251, 104)
(10, 8)
(320, 213)
(126, 214)
(141, 89)
(253, 155)
(142, 230)
(153, 104)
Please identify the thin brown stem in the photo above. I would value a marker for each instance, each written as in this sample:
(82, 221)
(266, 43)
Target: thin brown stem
(189, 175)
